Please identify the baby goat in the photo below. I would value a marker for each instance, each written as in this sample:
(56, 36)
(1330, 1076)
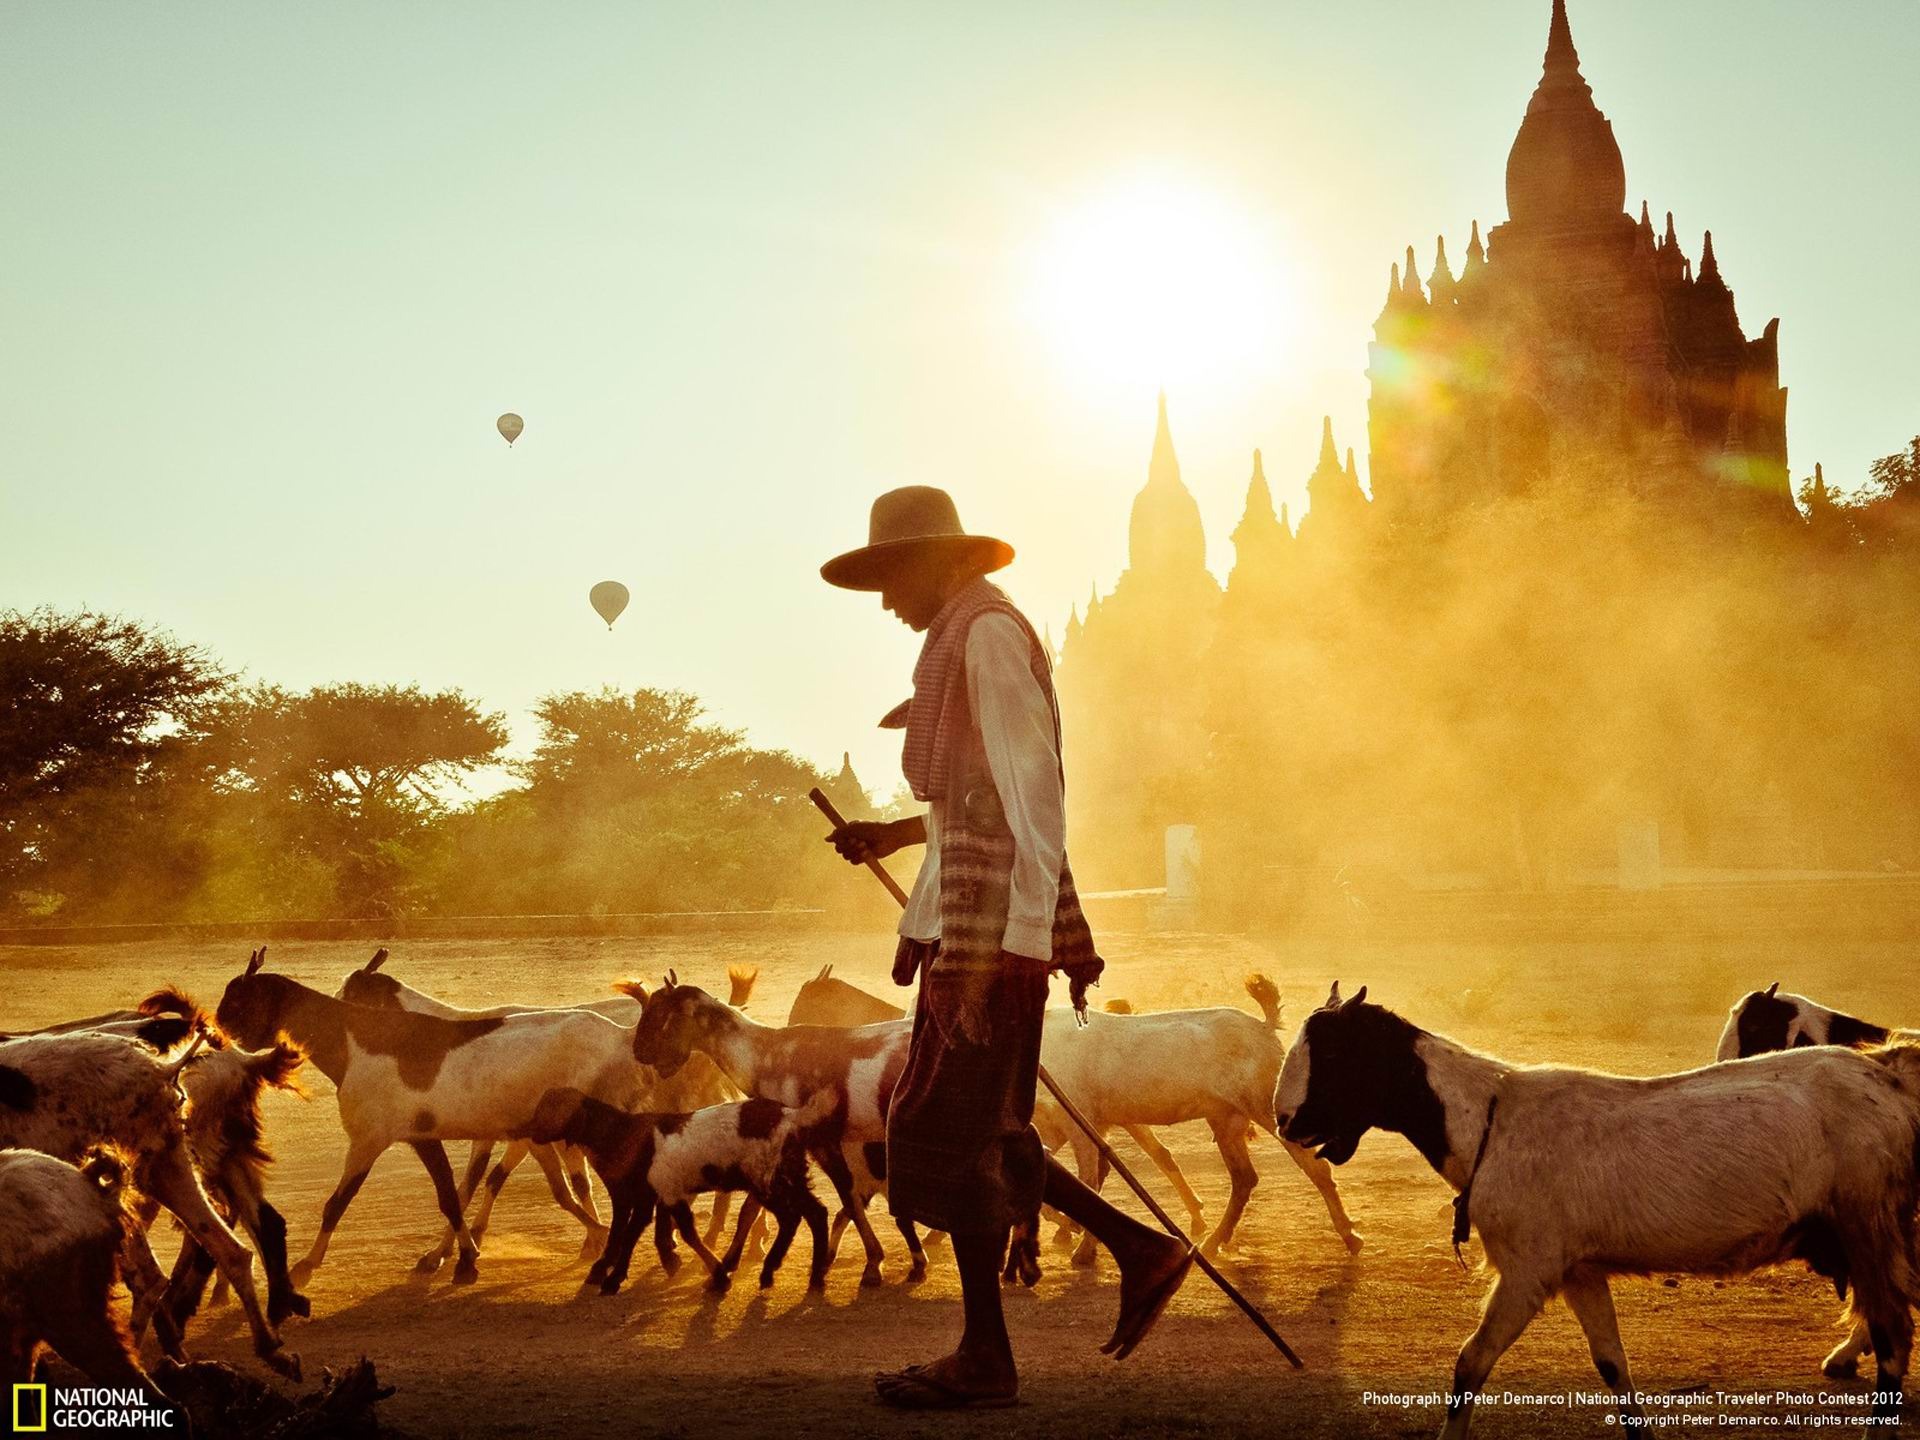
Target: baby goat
(659, 1162)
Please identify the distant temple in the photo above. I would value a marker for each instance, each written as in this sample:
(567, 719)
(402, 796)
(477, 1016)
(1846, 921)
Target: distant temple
(1574, 347)
(1574, 336)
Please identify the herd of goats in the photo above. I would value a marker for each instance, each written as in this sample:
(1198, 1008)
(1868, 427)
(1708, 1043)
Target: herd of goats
(1801, 1142)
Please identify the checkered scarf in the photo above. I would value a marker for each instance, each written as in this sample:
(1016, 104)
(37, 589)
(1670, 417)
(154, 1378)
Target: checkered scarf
(937, 717)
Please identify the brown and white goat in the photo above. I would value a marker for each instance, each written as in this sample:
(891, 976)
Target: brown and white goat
(859, 1067)
(65, 1094)
(419, 1080)
(700, 1083)
(657, 1163)
(1573, 1176)
(63, 1229)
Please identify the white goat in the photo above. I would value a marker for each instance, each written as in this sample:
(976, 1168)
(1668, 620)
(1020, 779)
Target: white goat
(1165, 1067)
(62, 1231)
(419, 1079)
(65, 1094)
(1573, 1176)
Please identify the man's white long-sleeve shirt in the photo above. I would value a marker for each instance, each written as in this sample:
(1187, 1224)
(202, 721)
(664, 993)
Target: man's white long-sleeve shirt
(1016, 728)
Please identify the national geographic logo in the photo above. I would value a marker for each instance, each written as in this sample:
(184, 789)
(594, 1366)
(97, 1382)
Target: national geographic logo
(39, 1410)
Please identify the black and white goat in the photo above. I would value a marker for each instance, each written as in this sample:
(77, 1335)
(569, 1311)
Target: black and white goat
(67, 1093)
(659, 1162)
(63, 1229)
(860, 1067)
(1765, 1021)
(420, 1080)
(1573, 1176)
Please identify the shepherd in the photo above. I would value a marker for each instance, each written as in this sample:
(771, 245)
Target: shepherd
(992, 915)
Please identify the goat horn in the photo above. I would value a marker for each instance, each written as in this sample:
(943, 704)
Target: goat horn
(1771, 988)
(379, 959)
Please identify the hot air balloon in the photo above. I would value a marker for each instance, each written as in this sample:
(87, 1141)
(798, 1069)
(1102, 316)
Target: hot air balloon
(510, 425)
(609, 598)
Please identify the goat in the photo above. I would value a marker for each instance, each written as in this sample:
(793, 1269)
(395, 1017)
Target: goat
(421, 1079)
(1573, 1176)
(65, 1094)
(860, 1067)
(1171, 1066)
(659, 1162)
(566, 1175)
(1764, 1021)
(698, 1085)
(1130, 1072)
(62, 1230)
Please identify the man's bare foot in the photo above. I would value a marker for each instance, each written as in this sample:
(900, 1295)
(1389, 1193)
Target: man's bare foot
(953, 1382)
(1149, 1276)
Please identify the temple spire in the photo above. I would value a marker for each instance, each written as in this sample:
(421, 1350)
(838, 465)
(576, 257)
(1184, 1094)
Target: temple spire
(1329, 458)
(1643, 232)
(1709, 267)
(1353, 471)
(1411, 280)
(1164, 466)
(1560, 70)
(1669, 240)
(1440, 283)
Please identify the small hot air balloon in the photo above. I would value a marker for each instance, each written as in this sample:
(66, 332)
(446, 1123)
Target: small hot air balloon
(510, 425)
(609, 598)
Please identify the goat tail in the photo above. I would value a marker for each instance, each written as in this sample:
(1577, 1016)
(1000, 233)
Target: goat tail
(740, 980)
(1266, 995)
(105, 1169)
(278, 1066)
(817, 1108)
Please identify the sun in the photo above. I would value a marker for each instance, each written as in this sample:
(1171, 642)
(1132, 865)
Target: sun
(1155, 280)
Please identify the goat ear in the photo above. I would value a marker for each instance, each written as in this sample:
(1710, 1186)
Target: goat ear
(1772, 988)
(670, 980)
(379, 959)
(256, 959)
(1333, 998)
(1358, 996)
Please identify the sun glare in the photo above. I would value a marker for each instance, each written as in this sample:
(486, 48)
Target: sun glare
(1155, 281)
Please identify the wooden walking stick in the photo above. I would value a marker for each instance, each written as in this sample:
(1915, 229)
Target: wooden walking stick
(1227, 1287)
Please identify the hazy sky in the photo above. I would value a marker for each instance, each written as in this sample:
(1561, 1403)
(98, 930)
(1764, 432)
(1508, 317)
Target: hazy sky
(269, 272)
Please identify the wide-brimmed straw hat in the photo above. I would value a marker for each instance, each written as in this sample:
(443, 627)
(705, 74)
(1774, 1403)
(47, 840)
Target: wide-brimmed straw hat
(913, 523)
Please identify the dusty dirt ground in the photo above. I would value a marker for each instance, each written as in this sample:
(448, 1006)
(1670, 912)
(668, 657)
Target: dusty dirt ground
(523, 1353)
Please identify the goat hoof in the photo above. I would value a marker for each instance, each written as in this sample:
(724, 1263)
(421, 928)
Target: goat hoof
(284, 1363)
(610, 1285)
(591, 1247)
(719, 1283)
(1086, 1257)
(872, 1276)
(1355, 1244)
(300, 1274)
(467, 1272)
(428, 1264)
(917, 1272)
(766, 1279)
(671, 1264)
(1840, 1367)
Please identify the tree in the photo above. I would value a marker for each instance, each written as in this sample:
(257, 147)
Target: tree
(357, 775)
(99, 717)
